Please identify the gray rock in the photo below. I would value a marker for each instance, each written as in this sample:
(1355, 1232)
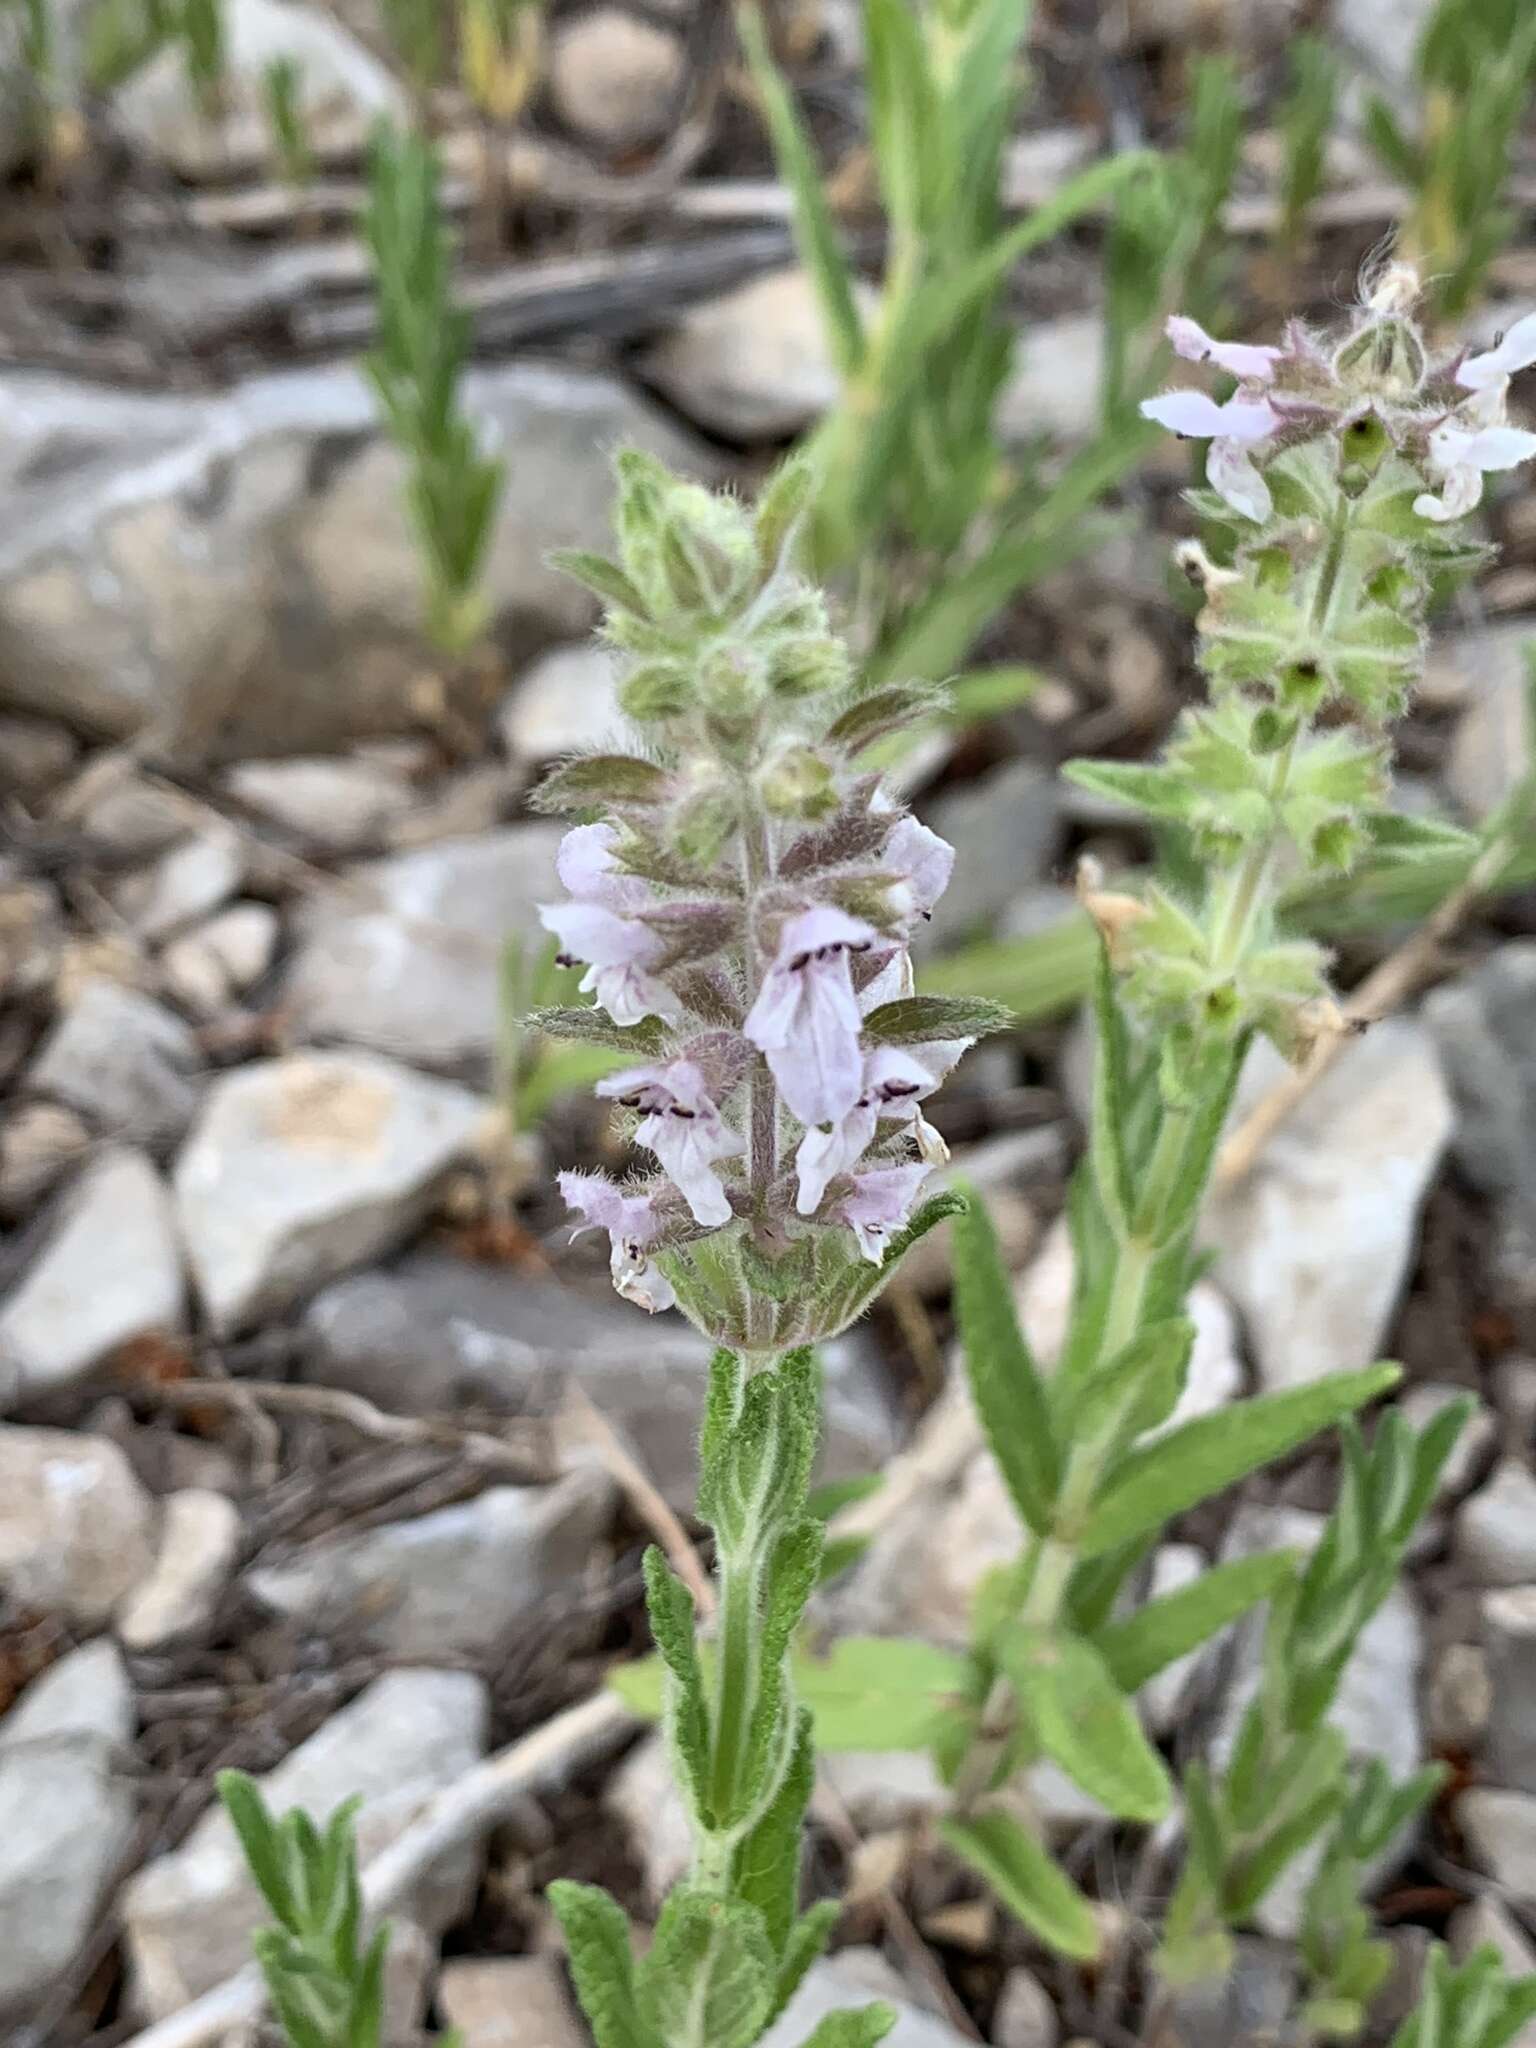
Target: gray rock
(342, 90)
(34, 755)
(753, 365)
(455, 1583)
(509, 2002)
(1509, 1635)
(342, 805)
(1025, 2015)
(1377, 1706)
(184, 884)
(1247, 2007)
(1459, 1698)
(188, 1917)
(416, 970)
(1485, 1028)
(237, 571)
(209, 967)
(436, 1335)
(199, 1541)
(125, 1063)
(1485, 1923)
(38, 1141)
(642, 1794)
(66, 1816)
(855, 1978)
(300, 1168)
(884, 1789)
(562, 704)
(1313, 1244)
(109, 1270)
(1491, 743)
(76, 1527)
(1500, 1833)
(615, 79)
(1056, 381)
(1003, 830)
(1496, 1528)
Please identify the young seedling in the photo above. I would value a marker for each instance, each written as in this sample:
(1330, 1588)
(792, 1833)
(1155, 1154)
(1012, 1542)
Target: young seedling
(453, 487)
(1306, 123)
(325, 1981)
(281, 82)
(500, 44)
(201, 27)
(1474, 69)
(919, 508)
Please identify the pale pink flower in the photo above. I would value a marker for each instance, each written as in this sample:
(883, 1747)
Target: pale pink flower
(806, 1016)
(588, 867)
(924, 862)
(1232, 429)
(632, 1225)
(618, 953)
(1238, 358)
(896, 1081)
(683, 1127)
(879, 1205)
(1465, 448)
(1491, 370)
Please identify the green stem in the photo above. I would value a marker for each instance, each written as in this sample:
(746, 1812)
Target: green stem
(735, 1680)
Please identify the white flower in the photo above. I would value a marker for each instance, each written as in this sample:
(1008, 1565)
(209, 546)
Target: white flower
(924, 862)
(600, 928)
(683, 1127)
(1469, 445)
(619, 953)
(878, 1205)
(1238, 358)
(806, 1016)
(1232, 429)
(632, 1224)
(1491, 370)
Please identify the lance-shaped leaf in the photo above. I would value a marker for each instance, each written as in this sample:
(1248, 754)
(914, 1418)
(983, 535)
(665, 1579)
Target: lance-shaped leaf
(861, 2029)
(1209, 1454)
(878, 1692)
(592, 1026)
(592, 780)
(1111, 1118)
(708, 1981)
(807, 1941)
(923, 1020)
(815, 232)
(767, 1868)
(889, 710)
(602, 1963)
(1083, 1721)
(606, 578)
(1028, 1880)
(1164, 1630)
(1010, 1395)
(673, 1624)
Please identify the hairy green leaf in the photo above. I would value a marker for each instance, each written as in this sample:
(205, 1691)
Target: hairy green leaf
(1203, 1457)
(708, 1981)
(923, 1020)
(1028, 1880)
(861, 2029)
(1083, 1721)
(1159, 1633)
(602, 1963)
(1006, 1385)
(591, 780)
